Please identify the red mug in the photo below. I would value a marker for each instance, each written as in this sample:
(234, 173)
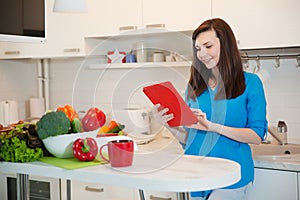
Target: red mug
(120, 153)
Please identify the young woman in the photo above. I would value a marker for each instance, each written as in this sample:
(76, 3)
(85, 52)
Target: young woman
(229, 103)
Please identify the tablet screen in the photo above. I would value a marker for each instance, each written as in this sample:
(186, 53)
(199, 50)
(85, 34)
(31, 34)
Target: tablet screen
(167, 96)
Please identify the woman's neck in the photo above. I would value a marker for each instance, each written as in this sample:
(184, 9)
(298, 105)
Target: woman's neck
(213, 81)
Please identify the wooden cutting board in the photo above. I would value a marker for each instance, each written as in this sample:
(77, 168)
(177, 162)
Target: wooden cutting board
(70, 163)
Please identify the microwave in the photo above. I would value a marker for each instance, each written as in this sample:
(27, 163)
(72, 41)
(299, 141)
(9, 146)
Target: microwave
(41, 188)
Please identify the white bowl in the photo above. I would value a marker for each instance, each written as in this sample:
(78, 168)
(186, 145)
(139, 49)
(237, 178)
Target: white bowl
(61, 146)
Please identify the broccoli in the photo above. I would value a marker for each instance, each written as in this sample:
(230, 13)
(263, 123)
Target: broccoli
(52, 124)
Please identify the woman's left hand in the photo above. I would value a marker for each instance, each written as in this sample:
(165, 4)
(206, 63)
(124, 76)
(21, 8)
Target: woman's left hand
(203, 123)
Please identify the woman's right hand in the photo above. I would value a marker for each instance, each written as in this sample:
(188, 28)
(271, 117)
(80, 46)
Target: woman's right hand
(203, 123)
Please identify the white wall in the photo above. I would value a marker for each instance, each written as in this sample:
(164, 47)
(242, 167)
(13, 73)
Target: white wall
(18, 81)
(71, 82)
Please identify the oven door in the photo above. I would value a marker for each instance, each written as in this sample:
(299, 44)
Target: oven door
(41, 188)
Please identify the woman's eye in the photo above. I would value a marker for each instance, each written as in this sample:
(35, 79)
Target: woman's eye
(209, 46)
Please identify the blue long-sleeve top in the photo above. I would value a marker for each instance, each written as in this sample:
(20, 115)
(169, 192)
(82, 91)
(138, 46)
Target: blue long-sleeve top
(245, 111)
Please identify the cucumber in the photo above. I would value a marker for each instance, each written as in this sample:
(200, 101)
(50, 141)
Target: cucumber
(76, 126)
(117, 129)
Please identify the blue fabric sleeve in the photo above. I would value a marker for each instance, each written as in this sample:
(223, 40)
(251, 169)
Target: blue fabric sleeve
(256, 107)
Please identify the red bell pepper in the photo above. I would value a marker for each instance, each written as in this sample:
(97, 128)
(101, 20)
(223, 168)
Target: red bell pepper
(93, 119)
(85, 149)
(69, 111)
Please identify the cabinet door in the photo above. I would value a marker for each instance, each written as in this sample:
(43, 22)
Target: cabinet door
(105, 18)
(160, 195)
(274, 184)
(261, 24)
(83, 190)
(65, 33)
(176, 15)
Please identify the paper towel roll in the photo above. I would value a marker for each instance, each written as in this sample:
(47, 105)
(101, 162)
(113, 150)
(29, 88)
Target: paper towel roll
(37, 107)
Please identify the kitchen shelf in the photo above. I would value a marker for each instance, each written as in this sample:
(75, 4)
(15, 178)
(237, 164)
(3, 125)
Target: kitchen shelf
(139, 34)
(143, 65)
(178, 42)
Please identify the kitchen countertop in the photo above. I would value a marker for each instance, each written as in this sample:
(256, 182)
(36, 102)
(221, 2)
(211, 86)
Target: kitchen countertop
(274, 156)
(158, 166)
(278, 162)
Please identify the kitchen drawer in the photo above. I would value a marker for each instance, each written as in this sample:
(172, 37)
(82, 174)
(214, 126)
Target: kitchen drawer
(84, 190)
(151, 195)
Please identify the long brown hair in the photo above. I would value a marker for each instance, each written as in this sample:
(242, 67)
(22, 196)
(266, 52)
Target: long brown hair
(229, 65)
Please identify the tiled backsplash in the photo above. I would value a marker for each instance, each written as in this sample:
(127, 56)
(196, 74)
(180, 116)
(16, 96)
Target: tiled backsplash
(283, 93)
(18, 81)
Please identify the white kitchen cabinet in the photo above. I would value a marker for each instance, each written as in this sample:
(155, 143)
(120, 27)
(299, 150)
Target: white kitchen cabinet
(298, 185)
(106, 18)
(109, 18)
(176, 15)
(83, 190)
(261, 24)
(152, 195)
(65, 34)
(274, 184)
(16, 50)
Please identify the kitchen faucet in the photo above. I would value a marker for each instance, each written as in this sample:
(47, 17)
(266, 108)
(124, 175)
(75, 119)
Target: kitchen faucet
(281, 137)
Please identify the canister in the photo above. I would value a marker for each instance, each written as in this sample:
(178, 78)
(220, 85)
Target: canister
(141, 52)
(158, 56)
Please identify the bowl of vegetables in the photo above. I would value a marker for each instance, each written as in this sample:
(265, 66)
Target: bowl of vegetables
(61, 146)
(60, 128)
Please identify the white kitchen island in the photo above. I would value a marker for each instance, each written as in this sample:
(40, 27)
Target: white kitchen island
(188, 173)
(155, 167)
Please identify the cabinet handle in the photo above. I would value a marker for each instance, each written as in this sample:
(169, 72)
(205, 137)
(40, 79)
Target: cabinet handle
(12, 52)
(73, 50)
(87, 188)
(159, 198)
(127, 28)
(155, 26)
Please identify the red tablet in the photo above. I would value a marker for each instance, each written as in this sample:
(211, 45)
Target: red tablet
(167, 96)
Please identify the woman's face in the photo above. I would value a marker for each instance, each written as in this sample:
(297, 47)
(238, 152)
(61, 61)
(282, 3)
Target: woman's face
(208, 48)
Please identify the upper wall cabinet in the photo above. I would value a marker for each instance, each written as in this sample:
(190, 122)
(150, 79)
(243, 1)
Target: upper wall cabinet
(65, 33)
(176, 15)
(261, 24)
(114, 16)
(110, 17)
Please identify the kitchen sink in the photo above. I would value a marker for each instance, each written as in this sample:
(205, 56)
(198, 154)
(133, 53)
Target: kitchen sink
(275, 149)
(276, 152)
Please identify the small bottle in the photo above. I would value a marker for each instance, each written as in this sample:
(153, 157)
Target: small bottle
(282, 130)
